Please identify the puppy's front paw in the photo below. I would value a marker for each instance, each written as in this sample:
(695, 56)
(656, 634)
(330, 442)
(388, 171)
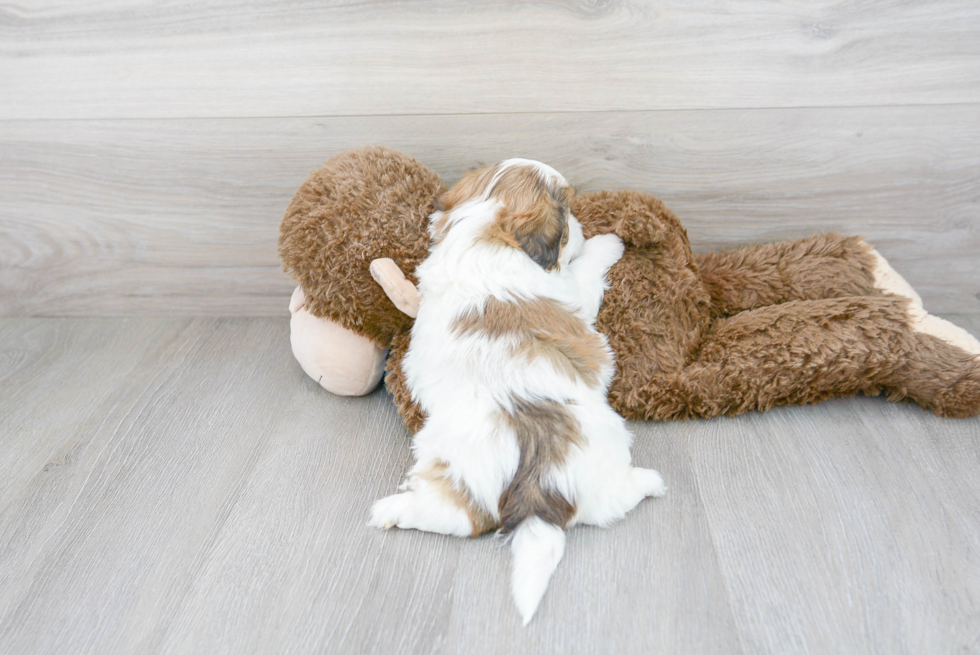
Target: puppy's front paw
(387, 512)
(607, 249)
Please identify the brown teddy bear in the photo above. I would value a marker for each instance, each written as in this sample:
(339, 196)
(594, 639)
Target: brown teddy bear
(695, 334)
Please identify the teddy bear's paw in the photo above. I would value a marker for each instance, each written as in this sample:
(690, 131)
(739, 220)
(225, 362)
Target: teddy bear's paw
(952, 334)
(962, 399)
(888, 280)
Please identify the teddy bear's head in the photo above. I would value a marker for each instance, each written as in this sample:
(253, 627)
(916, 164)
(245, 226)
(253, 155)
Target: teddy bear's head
(363, 206)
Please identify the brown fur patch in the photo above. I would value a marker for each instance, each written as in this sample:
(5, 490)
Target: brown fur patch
(827, 265)
(545, 431)
(437, 475)
(472, 184)
(413, 416)
(534, 217)
(542, 328)
(495, 234)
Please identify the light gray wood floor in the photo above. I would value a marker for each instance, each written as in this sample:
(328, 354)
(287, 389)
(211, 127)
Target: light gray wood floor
(178, 485)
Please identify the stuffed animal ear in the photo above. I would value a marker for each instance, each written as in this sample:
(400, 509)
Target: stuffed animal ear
(399, 288)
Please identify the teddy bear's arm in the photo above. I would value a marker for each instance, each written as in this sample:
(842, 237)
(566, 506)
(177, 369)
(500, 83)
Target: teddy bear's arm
(639, 219)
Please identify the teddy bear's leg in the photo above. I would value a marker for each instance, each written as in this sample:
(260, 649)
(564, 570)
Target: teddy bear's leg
(827, 265)
(803, 351)
(887, 280)
(822, 266)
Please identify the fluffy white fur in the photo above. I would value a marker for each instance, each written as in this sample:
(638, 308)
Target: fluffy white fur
(463, 383)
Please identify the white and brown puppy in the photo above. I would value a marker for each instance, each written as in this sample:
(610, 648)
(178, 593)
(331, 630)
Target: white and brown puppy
(507, 364)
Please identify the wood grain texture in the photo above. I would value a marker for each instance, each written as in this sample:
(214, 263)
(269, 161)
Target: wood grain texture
(208, 497)
(56, 374)
(833, 536)
(107, 541)
(138, 59)
(181, 217)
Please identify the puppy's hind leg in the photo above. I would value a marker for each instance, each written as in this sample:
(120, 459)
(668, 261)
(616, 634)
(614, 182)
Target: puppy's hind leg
(646, 483)
(619, 496)
(639, 484)
(432, 503)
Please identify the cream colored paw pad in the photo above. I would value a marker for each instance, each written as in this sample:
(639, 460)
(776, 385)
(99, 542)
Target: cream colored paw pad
(951, 334)
(888, 280)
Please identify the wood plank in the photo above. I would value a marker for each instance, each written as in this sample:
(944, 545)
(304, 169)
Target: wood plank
(215, 501)
(100, 550)
(221, 506)
(181, 217)
(55, 378)
(340, 587)
(132, 59)
(839, 528)
(295, 562)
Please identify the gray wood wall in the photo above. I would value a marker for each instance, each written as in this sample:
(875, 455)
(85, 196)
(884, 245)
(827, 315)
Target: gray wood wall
(148, 149)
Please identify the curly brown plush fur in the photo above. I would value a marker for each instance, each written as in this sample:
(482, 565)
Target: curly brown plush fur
(822, 266)
(361, 205)
(774, 324)
(694, 334)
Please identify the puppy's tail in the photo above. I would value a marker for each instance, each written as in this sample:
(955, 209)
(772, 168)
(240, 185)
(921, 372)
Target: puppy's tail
(537, 546)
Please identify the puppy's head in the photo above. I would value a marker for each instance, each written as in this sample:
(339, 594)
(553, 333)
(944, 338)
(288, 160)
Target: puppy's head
(531, 210)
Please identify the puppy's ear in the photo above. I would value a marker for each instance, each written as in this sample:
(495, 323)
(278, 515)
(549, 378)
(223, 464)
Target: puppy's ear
(472, 184)
(542, 230)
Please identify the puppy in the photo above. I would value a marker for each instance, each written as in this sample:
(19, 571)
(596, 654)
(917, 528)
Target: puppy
(512, 375)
